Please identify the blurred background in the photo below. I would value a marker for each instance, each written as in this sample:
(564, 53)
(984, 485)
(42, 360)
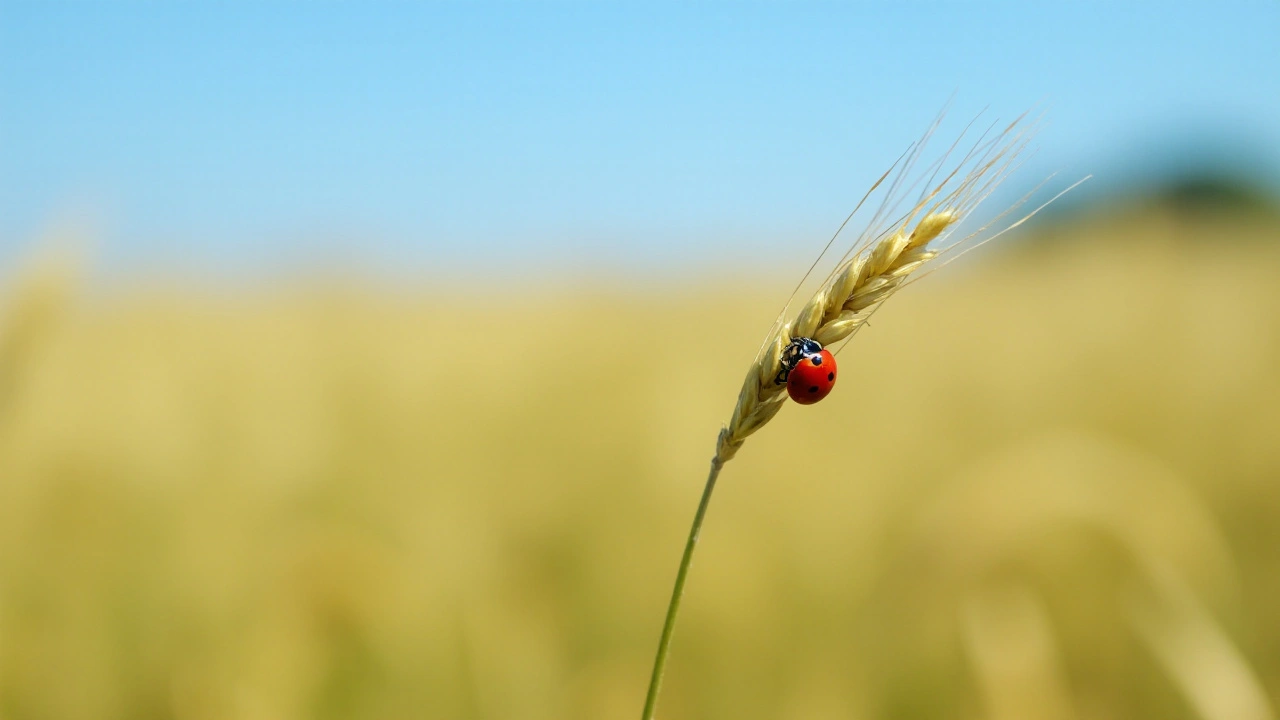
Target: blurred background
(347, 364)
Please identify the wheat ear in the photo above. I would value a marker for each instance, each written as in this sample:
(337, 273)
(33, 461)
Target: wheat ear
(877, 266)
(876, 270)
(833, 314)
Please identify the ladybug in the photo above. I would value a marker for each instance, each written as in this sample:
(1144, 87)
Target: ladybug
(808, 371)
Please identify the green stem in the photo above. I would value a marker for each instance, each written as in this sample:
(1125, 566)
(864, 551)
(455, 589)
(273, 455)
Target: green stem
(664, 644)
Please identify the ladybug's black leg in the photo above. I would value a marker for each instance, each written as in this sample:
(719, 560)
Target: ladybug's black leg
(790, 356)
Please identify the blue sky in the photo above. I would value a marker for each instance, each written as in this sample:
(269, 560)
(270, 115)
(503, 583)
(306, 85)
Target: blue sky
(455, 137)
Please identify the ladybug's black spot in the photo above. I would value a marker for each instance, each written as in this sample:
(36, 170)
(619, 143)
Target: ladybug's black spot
(817, 360)
(813, 389)
(831, 376)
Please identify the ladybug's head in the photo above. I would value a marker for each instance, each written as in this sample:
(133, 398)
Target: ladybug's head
(795, 351)
(805, 346)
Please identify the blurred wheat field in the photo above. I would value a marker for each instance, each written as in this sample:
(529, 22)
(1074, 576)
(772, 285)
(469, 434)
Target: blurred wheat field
(1046, 487)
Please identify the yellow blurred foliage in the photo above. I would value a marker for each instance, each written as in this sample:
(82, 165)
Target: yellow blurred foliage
(1047, 486)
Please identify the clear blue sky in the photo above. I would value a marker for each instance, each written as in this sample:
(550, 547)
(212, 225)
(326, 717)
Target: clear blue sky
(456, 136)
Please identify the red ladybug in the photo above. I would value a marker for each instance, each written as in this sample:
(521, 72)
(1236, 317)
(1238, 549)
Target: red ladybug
(808, 370)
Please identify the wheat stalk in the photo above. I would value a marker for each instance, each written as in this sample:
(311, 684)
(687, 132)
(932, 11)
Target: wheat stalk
(878, 264)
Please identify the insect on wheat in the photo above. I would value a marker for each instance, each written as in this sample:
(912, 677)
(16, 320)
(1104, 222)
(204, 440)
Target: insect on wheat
(899, 241)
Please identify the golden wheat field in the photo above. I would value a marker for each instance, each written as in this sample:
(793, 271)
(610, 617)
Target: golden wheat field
(1047, 486)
